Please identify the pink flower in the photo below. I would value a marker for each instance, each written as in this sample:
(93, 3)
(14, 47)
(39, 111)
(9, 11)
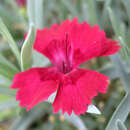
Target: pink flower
(67, 46)
(21, 3)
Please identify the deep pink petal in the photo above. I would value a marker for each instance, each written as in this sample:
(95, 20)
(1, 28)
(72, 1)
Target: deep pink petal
(43, 38)
(78, 89)
(52, 42)
(90, 42)
(86, 42)
(35, 85)
(56, 32)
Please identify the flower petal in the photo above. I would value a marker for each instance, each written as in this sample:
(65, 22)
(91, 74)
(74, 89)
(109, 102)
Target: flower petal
(77, 89)
(86, 42)
(35, 85)
(45, 36)
(54, 44)
(90, 42)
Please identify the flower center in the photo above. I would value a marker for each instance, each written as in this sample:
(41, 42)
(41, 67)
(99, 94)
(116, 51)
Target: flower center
(60, 52)
(65, 54)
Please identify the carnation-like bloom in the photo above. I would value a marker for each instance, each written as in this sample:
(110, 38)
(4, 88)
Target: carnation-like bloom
(67, 46)
(21, 3)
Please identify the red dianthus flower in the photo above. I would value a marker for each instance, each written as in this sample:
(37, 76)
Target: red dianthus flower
(67, 46)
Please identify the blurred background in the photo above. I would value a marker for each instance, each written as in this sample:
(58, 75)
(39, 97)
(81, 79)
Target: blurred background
(113, 16)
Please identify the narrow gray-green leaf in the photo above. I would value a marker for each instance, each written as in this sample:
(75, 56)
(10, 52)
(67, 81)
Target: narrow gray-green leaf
(8, 104)
(7, 69)
(116, 58)
(71, 8)
(76, 121)
(26, 52)
(127, 6)
(85, 10)
(4, 31)
(115, 23)
(119, 66)
(92, 15)
(39, 17)
(121, 113)
(25, 120)
(6, 90)
(120, 125)
(122, 42)
(7, 16)
(125, 48)
(122, 110)
(9, 64)
(106, 5)
(110, 71)
(5, 81)
(31, 10)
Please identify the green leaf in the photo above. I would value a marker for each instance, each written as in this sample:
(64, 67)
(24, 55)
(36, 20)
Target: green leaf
(115, 24)
(7, 69)
(106, 5)
(120, 125)
(4, 31)
(122, 110)
(85, 10)
(72, 9)
(7, 17)
(125, 49)
(76, 121)
(7, 91)
(26, 52)
(5, 81)
(120, 68)
(31, 11)
(4, 89)
(127, 6)
(116, 58)
(26, 119)
(110, 71)
(8, 104)
(92, 15)
(39, 17)
(121, 113)
(47, 126)
(9, 64)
